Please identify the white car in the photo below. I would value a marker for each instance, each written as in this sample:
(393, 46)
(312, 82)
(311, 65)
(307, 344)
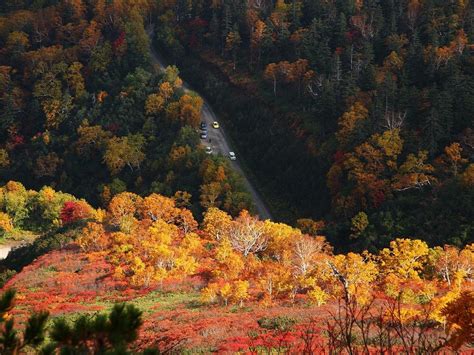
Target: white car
(232, 156)
(208, 150)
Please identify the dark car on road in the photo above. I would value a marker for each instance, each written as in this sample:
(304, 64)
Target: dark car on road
(203, 126)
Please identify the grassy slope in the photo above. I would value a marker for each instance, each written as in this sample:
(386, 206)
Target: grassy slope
(68, 282)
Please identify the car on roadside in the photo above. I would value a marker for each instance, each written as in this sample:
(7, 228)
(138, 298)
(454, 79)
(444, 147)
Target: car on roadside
(203, 126)
(204, 135)
(215, 124)
(232, 156)
(208, 150)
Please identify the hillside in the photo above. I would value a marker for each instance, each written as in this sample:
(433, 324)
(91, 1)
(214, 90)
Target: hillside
(173, 316)
(344, 110)
(242, 283)
(84, 110)
(299, 179)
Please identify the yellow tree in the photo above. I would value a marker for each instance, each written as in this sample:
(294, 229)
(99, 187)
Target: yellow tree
(307, 252)
(353, 274)
(124, 151)
(414, 173)
(190, 107)
(13, 201)
(182, 198)
(368, 169)
(172, 76)
(92, 139)
(123, 209)
(226, 292)
(405, 258)
(6, 224)
(275, 280)
(166, 90)
(157, 207)
(358, 224)
(318, 296)
(390, 143)
(240, 291)
(216, 223)
(247, 234)
(281, 239)
(155, 249)
(449, 260)
(185, 221)
(349, 120)
(210, 292)
(154, 104)
(93, 237)
(455, 159)
(276, 72)
(185, 260)
(300, 73)
(209, 194)
(229, 263)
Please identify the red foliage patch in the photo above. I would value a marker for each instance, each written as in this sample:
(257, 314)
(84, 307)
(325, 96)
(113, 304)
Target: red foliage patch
(339, 156)
(119, 42)
(74, 211)
(15, 140)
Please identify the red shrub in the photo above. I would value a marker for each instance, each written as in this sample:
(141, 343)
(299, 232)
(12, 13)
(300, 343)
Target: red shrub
(74, 211)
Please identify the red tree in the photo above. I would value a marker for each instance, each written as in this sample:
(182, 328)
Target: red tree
(74, 211)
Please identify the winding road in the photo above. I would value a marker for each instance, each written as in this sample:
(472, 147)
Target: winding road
(219, 141)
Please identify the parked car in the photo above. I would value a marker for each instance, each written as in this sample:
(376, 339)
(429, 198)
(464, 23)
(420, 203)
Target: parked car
(203, 126)
(232, 156)
(215, 124)
(204, 135)
(208, 150)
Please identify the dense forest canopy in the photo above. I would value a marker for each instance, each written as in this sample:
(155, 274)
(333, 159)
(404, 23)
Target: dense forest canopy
(369, 106)
(356, 112)
(82, 108)
(353, 119)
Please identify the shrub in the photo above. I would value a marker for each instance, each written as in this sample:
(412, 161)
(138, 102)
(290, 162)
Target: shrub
(281, 323)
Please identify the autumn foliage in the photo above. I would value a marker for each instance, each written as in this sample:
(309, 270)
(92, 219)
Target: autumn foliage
(74, 211)
(354, 117)
(406, 297)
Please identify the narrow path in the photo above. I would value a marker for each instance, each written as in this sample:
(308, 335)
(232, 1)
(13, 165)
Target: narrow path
(219, 142)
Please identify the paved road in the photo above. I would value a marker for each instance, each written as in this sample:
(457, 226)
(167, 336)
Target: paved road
(219, 142)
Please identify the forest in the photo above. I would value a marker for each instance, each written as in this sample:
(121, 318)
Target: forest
(362, 110)
(352, 119)
(83, 110)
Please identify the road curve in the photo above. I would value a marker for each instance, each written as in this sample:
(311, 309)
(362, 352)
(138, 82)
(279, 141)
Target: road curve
(218, 139)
